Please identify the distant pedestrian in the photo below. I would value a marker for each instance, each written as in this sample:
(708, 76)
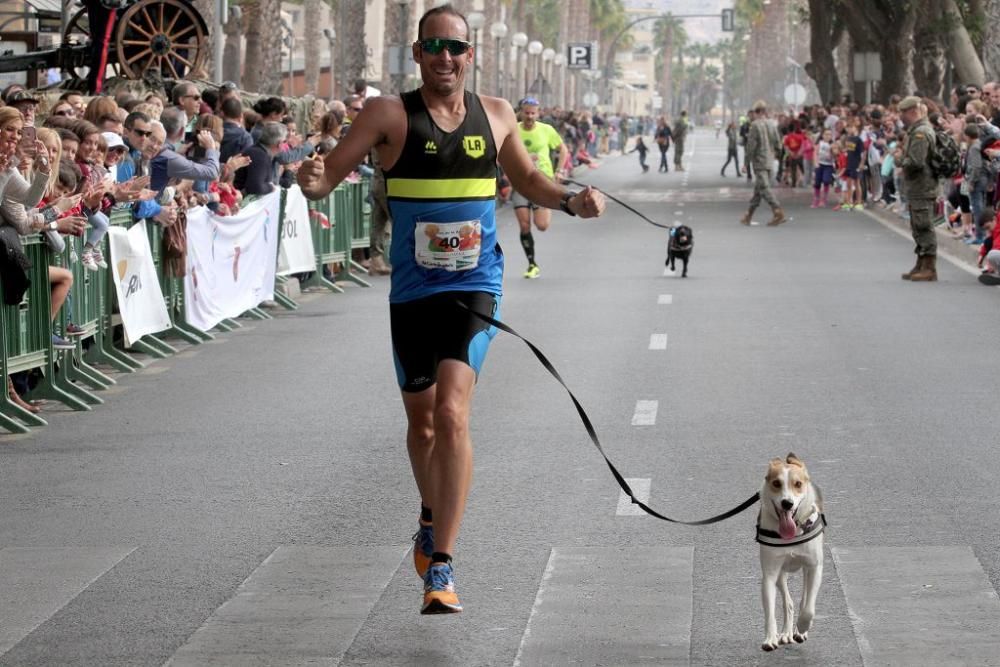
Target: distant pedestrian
(920, 186)
(762, 145)
(642, 149)
(732, 137)
(662, 138)
(680, 131)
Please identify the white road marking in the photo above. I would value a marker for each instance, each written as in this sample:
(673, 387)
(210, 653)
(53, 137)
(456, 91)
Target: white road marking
(921, 605)
(640, 487)
(658, 342)
(645, 413)
(647, 619)
(290, 610)
(665, 299)
(36, 582)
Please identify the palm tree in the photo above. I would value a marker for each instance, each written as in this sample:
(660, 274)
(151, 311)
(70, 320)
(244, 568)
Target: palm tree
(207, 10)
(669, 36)
(312, 12)
(355, 51)
(262, 69)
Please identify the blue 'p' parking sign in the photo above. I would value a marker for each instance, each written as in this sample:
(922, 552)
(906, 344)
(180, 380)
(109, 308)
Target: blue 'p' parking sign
(581, 55)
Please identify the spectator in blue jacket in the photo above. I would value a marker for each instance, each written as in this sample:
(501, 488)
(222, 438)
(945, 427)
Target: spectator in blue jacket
(235, 138)
(169, 164)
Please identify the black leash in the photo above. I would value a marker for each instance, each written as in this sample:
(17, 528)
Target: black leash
(593, 433)
(617, 201)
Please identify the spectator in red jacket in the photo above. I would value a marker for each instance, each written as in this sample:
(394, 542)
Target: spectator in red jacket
(989, 251)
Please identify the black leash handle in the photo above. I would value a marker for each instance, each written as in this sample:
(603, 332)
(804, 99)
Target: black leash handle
(597, 443)
(617, 201)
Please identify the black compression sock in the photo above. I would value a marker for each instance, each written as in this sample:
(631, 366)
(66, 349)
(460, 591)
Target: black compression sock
(425, 514)
(440, 557)
(528, 243)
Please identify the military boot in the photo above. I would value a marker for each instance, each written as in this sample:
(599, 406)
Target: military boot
(916, 267)
(747, 217)
(779, 217)
(927, 272)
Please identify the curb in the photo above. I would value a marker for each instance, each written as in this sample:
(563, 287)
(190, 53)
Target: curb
(962, 255)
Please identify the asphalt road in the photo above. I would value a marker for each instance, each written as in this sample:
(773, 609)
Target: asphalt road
(249, 501)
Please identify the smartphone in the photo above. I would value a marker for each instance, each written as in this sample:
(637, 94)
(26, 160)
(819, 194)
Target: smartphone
(28, 137)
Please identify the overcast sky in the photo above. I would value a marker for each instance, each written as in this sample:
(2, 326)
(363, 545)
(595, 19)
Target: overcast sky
(699, 30)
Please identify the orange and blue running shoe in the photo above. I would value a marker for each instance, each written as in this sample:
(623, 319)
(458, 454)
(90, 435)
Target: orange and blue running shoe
(423, 548)
(439, 591)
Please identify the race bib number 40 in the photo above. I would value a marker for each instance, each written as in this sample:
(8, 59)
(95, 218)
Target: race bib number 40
(452, 246)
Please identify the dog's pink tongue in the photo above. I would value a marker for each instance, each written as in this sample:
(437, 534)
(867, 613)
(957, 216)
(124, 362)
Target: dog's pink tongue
(786, 525)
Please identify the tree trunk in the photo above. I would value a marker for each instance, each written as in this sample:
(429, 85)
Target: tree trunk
(961, 51)
(232, 55)
(991, 41)
(262, 70)
(314, 43)
(897, 57)
(823, 39)
(354, 34)
(929, 63)
(207, 10)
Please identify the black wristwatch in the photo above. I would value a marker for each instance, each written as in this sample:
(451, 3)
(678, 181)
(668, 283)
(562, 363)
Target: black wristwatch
(564, 202)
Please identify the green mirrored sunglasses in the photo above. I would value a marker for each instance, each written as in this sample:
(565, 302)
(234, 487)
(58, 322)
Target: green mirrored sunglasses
(436, 45)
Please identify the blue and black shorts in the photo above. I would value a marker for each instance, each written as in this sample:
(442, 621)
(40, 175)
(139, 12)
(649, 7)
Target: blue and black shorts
(426, 331)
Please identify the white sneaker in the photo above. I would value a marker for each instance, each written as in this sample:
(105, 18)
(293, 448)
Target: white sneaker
(87, 259)
(99, 258)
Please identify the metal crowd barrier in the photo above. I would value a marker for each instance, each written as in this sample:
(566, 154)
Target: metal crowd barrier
(69, 376)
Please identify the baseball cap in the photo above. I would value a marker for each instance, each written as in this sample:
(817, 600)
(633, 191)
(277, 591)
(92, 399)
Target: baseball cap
(113, 140)
(529, 102)
(21, 96)
(911, 102)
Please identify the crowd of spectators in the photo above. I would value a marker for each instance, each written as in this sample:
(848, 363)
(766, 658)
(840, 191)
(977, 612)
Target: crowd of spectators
(848, 154)
(65, 167)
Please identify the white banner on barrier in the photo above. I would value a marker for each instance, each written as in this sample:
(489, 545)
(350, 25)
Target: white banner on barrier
(140, 300)
(296, 254)
(230, 261)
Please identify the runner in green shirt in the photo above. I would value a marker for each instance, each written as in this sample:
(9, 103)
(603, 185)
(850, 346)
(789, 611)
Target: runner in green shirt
(540, 139)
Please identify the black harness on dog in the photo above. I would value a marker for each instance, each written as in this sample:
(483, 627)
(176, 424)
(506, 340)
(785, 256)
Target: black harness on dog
(811, 529)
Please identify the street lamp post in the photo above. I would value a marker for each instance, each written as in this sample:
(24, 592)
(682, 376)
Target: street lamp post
(547, 56)
(331, 36)
(476, 21)
(535, 49)
(560, 61)
(519, 40)
(498, 31)
(404, 21)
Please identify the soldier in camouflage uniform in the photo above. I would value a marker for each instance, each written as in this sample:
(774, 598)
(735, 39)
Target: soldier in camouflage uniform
(679, 134)
(920, 187)
(762, 144)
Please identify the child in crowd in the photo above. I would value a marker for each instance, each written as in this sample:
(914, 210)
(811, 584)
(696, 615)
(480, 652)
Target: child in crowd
(93, 187)
(989, 252)
(888, 165)
(641, 148)
(825, 158)
(840, 172)
(854, 149)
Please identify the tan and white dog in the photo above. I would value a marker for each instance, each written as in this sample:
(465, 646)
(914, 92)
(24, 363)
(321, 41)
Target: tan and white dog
(790, 533)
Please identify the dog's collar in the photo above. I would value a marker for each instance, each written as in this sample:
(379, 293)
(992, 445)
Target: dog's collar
(811, 529)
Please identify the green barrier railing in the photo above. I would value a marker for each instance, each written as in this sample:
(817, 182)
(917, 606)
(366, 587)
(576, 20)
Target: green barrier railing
(26, 331)
(280, 281)
(347, 209)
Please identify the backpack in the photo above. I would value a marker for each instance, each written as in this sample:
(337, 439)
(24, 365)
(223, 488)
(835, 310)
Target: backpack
(945, 158)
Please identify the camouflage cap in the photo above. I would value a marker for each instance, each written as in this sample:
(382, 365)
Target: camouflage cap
(911, 102)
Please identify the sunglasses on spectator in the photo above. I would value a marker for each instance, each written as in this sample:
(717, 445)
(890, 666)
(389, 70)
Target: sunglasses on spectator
(436, 45)
(143, 133)
(194, 97)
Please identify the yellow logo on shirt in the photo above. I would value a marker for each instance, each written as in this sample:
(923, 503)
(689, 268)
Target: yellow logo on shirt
(475, 146)
(431, 147)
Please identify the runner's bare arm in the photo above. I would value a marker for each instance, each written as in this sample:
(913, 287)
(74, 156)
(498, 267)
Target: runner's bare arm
(525, 177)
(372, 128)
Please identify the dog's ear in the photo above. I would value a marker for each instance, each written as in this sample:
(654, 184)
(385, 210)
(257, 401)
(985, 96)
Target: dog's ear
(774, 467)
(793, 460)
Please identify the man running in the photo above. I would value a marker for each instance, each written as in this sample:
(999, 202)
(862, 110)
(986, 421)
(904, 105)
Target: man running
(540, 139)
(439, 146)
